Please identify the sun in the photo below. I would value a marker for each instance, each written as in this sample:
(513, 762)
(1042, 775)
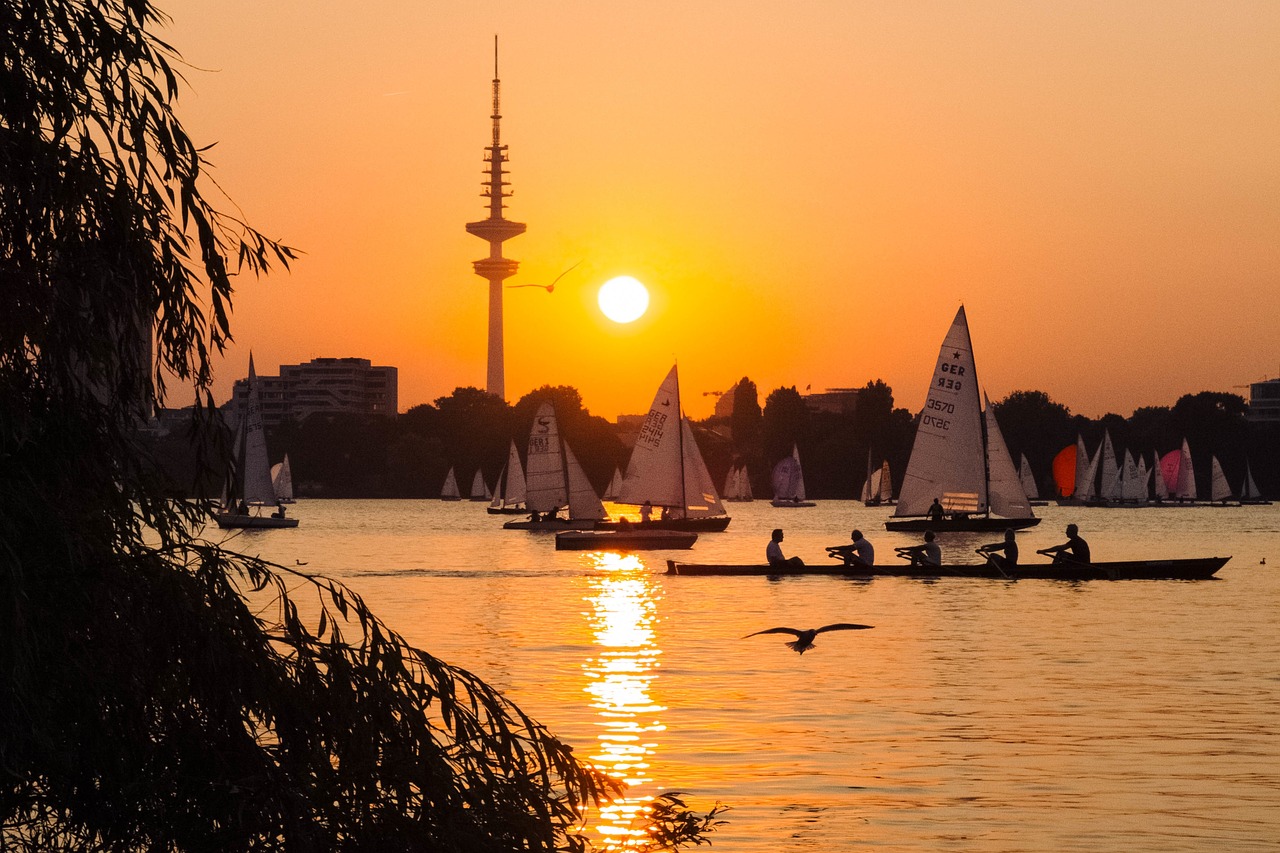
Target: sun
(623, 299)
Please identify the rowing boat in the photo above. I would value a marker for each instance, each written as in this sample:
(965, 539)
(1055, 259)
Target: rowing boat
(1194, 568)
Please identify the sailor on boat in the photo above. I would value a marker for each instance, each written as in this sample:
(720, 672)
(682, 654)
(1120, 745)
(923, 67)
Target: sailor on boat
(859, 553)
(928, 553)
(935, 511)
(1074, 550)
(1003, 555)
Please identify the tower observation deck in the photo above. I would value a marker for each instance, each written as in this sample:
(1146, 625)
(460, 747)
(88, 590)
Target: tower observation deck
(495, 229)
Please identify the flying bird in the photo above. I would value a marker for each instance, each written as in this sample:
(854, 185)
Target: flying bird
(547, 287)
(804, 639)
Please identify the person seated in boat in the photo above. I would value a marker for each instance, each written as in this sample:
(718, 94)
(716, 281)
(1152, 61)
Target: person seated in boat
(242, 508)
(624, 524)
(936, 512)
(859, 552)
(773, 553)
(279, 513)
(1074, 550)
(1003, 555)
(646, 510)
(959, 515)
(927, 553)
(666, 513)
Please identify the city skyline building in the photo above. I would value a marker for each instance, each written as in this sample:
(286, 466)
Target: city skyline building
(495, 229)
(321, 386)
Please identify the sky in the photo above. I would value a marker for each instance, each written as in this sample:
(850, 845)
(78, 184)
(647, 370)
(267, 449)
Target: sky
(808, 190)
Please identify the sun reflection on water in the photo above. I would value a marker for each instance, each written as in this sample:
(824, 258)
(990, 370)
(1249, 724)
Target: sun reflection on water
(623, 615)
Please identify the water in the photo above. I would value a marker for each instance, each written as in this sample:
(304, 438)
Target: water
(977, 715)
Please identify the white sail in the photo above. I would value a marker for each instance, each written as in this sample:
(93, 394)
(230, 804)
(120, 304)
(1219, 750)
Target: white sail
(546, 488)
(615, 486)
(1158, 485)
(1111, 485)
(1133, 480)
(282, 480)
(731, 484)
(1004, 488)
(1087, 480)
(479, 489)
(449, 492)
(884, 483)
(655, 468)
(788, 477)
(947, 459)
(584, 503)
(1249, 490)
(254, 468)
(1027, 478)
(868, 489)
(509, 491)
(1219, 490)
(1186, 489)
(744, 485)
(1142, 490)
(700, 498)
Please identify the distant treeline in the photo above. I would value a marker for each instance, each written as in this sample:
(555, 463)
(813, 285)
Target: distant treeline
(409, 456)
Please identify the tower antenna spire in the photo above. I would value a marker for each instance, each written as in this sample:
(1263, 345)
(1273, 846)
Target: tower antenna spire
(495, 229)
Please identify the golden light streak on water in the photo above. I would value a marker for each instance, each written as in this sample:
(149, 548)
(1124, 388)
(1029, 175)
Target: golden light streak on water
(622, 618)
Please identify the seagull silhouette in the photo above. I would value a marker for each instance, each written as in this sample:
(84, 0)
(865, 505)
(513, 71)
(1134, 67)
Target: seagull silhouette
(804, 639)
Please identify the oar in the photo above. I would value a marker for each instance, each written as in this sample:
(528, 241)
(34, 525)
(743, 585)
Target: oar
(998, 567)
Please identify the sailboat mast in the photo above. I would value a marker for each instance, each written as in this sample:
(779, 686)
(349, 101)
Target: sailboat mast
(986, 458)
(684, 498)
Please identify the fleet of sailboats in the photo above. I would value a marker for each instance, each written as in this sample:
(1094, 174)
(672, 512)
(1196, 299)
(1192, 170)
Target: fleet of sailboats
(959, 457)
(877, 488)
(737, 485)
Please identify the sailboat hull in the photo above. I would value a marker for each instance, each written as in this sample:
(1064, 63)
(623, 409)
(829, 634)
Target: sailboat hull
(508, 510)
(625, 540)
(974, 524)
(228, 521)
(707, 524)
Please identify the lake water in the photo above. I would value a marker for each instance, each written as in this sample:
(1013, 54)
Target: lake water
(977, 715)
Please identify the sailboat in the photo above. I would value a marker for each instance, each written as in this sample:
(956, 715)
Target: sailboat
(449, 491)
(877, 489)
(1028, 480)
(1249, 493)
(1159, 486)
(479, 489)
(666, 469)
(508, 498)
(282, 481)
(614, 488)
(737, 485)
(959, 457)
(1179, 475)
(249, 485)
(1084, 490)
(1219, 489)
(554, 480)
(788, 482)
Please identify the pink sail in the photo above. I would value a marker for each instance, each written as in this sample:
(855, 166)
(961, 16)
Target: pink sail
(1169, 465)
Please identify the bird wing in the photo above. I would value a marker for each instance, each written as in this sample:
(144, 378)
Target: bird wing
(843, 626)
(776, 631)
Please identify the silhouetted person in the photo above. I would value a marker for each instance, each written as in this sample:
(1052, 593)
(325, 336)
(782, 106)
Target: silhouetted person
(646, 510)
(859, 553)
(935, 511)
(1074, 550)
(1003, 555)
(928, 553)
(773, 553)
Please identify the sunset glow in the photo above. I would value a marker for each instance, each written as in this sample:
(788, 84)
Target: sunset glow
(1096, 184)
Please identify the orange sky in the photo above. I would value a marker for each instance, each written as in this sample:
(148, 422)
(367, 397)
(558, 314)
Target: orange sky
(808, 189)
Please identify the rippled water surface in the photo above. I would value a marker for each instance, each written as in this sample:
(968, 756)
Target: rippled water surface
(977, 715)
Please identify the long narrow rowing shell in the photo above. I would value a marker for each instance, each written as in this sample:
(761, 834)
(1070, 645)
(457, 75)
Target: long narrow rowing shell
(1195, 568)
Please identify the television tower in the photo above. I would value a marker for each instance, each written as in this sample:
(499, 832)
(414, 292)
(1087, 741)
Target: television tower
(496, 228)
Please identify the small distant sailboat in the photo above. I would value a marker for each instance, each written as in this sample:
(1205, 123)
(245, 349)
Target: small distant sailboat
(1249, 492)
(1159, 486)
(614, 488)
(479, 489)
(449, 491)
(877, 489)
(554, 480)
(788, 482)
(1219, 490)
(282, 481)
(509, 494)
(737, 485)
(1179, 475)
(249, 488)
(1028, 480)
(959, 457)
